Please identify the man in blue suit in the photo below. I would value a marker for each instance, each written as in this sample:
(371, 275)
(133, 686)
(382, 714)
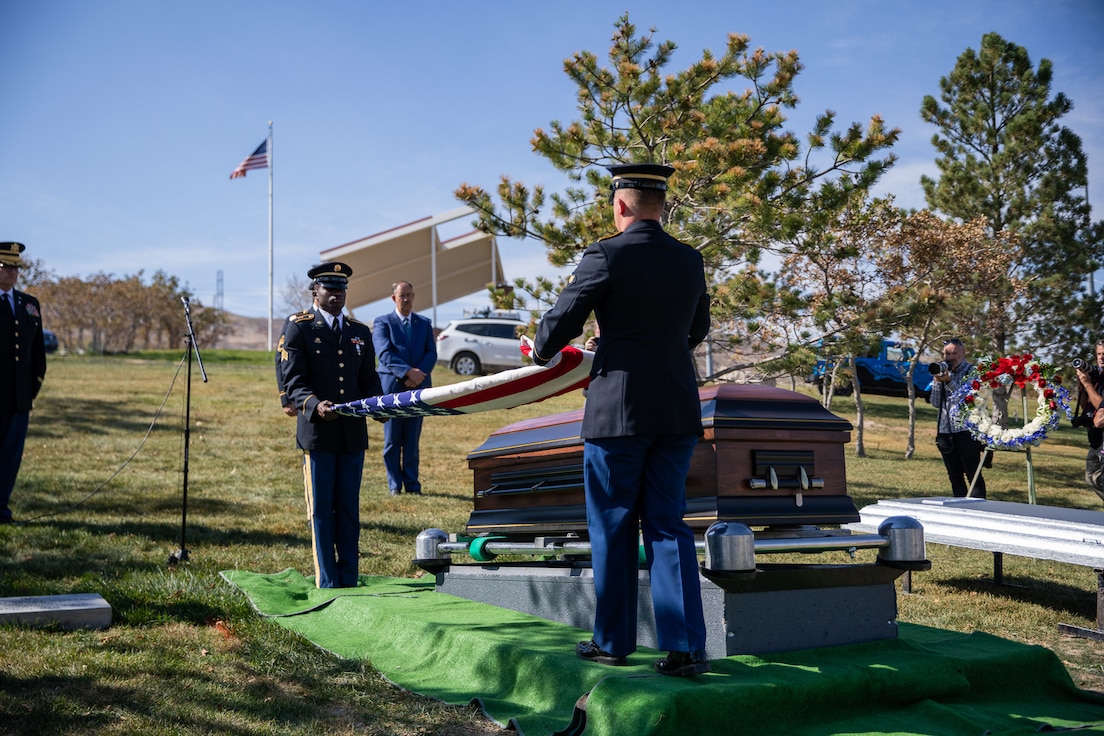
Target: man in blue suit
(642, 419)
(407, 352)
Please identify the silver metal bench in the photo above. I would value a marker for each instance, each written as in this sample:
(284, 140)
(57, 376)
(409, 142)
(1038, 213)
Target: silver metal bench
(1073, 536)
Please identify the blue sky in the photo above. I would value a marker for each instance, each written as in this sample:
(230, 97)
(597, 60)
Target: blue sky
(122, 119)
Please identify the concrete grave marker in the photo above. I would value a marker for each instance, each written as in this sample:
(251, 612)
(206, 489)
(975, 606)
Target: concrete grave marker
(72, 611)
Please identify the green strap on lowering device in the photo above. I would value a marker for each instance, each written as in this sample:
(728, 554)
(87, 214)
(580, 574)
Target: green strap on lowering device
(479, 553)
(475, 549)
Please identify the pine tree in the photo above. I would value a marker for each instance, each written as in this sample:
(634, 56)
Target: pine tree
(743, 184)
(1004, 156)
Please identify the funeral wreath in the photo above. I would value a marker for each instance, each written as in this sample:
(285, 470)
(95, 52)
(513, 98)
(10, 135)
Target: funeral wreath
(972, 403)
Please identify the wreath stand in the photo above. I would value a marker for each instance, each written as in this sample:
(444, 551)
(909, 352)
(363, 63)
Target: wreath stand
(1030, 475)
(1030, 467)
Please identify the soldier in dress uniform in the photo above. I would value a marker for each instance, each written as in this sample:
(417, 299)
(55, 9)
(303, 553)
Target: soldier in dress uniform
(326, 359)
(642, 419)
(22, 368)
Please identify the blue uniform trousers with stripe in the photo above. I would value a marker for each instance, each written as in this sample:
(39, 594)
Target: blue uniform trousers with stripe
(13, 435)
(332, 482)
(637, 485)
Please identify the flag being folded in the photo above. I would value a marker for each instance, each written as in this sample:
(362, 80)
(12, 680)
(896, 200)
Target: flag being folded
(256, 160)
(568, 371)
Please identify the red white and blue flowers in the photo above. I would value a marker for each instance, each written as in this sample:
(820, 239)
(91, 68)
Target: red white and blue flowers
(972, 407)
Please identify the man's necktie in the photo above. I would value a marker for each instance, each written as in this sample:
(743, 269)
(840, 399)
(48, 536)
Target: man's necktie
(406, 326)
(337, 327)
(7, 304)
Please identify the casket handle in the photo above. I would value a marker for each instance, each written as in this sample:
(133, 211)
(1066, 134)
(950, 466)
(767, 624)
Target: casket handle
(772, 481)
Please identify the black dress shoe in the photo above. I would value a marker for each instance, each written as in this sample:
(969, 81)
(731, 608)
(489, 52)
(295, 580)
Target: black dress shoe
(683, 664)
(591, 652)
(415, 493)
(395, 492)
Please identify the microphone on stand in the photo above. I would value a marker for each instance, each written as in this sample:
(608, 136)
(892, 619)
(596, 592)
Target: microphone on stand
(181, 555)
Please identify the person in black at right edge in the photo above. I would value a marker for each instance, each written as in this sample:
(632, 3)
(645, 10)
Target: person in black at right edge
(961, 452)
(1090, 414)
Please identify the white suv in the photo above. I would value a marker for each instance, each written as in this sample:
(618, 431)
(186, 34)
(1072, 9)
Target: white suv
(475, 346)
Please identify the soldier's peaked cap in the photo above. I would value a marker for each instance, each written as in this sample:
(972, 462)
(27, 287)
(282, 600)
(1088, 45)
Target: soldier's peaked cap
(640, 176)
(9, 254)
(333, 275)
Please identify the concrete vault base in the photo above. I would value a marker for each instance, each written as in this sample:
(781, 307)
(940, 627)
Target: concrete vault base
(793, 609)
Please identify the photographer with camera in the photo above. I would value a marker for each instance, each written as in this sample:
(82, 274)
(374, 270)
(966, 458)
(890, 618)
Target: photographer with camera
(961, 452)
(1090, 414)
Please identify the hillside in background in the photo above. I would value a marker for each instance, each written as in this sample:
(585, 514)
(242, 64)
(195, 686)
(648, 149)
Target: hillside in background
(248, 333)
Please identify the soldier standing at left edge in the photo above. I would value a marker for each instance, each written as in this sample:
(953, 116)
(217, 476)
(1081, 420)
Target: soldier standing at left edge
(22, 368)
(328, 359)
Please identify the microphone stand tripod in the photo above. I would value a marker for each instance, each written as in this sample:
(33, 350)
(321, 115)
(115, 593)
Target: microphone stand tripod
(181, 555)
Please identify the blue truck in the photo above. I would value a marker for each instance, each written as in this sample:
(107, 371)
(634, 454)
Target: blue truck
(883, 374)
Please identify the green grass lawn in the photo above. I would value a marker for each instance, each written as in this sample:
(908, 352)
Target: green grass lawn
(101, 497)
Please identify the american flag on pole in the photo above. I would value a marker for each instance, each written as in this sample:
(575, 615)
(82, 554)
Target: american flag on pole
(566, 372)
(256, 160)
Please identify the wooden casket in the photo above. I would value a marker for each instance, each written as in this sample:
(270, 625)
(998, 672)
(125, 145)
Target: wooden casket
(769, 458)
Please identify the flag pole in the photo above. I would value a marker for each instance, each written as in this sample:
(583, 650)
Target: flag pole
(270, 167)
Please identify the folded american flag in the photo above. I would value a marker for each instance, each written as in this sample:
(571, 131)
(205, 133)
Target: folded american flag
(566, 372)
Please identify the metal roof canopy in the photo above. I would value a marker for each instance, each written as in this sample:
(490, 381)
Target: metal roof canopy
(414, 252)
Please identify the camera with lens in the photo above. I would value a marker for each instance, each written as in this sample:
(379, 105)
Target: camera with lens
(1084, 365)
(939, 369)
(1085, 418)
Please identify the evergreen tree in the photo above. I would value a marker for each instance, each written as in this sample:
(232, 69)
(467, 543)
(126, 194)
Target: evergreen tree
(1004, 156)
(743, 184)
